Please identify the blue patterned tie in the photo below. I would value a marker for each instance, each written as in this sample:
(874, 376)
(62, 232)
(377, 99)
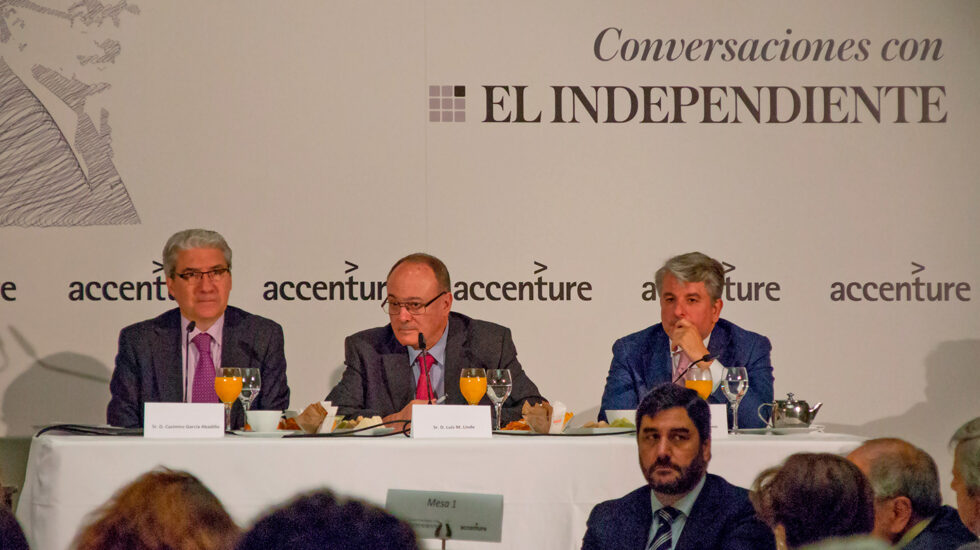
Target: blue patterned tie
(661, 540)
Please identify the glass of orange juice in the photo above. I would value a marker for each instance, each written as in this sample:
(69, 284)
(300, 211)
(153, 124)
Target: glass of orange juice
(473, 384)
(699, 380)
(228, 386)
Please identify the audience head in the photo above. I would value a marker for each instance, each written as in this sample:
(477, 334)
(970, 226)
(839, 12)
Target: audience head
(966, 473)
(419, 299)
(814, 496)
(674, 440)
(905, 482)
(319, 521)
(11, 535)
(690, 288)
(161, 510)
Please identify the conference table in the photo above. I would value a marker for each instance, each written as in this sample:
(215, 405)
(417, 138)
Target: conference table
(549, 483)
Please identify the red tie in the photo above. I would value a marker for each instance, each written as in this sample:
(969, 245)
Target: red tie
(422, 389)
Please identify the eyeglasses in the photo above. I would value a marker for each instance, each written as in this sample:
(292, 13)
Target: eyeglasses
(198, 276)
(415, 308)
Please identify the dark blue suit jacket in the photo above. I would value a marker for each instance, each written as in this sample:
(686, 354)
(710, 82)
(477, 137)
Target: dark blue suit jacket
(642, 361)
(149, 364)
(945, 532)
(722, 518)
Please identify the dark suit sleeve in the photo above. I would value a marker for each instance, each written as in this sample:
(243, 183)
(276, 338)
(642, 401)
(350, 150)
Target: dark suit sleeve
(349, 394)
(620, 392)
(591, 540)
(759, 367)
(125, 405)
(274, 395)
(523, 388)
(744, 531)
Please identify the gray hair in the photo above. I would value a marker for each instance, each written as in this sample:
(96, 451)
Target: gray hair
(898, 468)
(188, 239)
(694, 267)
(967, 449)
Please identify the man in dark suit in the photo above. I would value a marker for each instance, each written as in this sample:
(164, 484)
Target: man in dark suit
(909, 510)
(682, 507)
(690, 288)
(383, 375)
(153, 354)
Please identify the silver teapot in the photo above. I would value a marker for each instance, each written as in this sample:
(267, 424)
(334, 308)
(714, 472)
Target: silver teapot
(789, 413)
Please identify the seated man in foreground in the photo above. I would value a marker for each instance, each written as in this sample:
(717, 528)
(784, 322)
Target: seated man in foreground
(690, 288)
(909, 510)
(966, 476)
(681, 502)
(383, 376)
(174, 357)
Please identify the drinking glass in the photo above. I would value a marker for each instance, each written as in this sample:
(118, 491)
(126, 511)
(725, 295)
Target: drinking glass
(734, 384)
(251, 384)
(499, 385)
(699, 380)
(228, 386)
(473, 384)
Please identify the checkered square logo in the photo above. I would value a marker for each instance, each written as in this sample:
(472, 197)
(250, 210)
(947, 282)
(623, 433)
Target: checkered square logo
(447, 103)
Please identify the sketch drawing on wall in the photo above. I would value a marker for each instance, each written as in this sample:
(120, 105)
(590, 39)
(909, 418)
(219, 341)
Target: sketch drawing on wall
(56, 165)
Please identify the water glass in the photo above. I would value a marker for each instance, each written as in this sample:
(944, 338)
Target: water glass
(499, 386)
(734, 384)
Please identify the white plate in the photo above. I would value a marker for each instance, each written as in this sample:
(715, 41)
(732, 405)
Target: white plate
(277, 433)
(597, 431)
(781, 431)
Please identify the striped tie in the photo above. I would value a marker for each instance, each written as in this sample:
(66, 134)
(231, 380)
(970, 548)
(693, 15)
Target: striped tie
(661, 540)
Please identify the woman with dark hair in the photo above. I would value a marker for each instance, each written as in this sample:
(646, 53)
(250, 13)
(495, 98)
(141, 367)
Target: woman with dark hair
(161, 510)
(813, 496)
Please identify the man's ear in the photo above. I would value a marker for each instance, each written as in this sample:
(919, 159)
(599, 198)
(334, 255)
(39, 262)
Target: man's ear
(901, 519)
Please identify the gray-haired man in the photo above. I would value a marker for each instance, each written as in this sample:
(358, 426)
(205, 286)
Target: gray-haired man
(966, 476)
(690, 288)
(173, 357)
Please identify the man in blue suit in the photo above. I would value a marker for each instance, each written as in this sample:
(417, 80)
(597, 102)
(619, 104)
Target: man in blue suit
(691, 332)
(682, 507)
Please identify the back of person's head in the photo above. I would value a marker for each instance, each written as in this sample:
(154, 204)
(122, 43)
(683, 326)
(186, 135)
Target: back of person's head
(814, 496)
(161, 510)
(966, 445)
(11, 535)
(898, 468)
(667, 396)
(319, 521)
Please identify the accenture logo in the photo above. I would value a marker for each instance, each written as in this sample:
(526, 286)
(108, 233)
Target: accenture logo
(447, 103)
(152, 290)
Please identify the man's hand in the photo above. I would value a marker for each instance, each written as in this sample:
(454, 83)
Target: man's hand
(405, 413)
(686, 335)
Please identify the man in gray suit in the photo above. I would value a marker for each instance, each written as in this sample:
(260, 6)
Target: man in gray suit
(173, 357)
(384, 376)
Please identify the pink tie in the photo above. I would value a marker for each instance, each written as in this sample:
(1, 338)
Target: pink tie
(203, 390)
(683, 363)
(422, 389)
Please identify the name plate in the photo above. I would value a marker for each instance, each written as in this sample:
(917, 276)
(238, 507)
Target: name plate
(450, 421)
(183, 420)
(449, 516)
(719, 421)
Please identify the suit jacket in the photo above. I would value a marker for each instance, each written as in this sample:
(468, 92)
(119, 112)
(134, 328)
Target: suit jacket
(378, 378)
(722, 518)
(642, 361)
(945, 532)
(150, 366)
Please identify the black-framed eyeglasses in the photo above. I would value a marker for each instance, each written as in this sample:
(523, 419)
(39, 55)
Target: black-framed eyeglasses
(415, 308)
(198, 276)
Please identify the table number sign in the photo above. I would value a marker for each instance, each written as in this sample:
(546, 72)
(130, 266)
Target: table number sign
(449, 516)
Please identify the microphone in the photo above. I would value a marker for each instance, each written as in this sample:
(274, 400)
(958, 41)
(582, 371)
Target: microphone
(707, 357)
(187, 357)
(422, 362)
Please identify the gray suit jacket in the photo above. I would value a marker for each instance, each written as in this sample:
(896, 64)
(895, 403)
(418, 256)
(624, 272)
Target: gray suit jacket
(378, 379)
(149, 366)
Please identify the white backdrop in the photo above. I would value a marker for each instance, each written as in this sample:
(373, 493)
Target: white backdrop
(304, 136)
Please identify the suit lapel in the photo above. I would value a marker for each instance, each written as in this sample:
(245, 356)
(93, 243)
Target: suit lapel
(397, 372)
(234, 350)
(718, 345)
(661, 368)
(167, 357)
(636, 522)
(457, 359)
(699, 531)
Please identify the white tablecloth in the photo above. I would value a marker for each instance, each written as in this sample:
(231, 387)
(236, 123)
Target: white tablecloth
(550, 484)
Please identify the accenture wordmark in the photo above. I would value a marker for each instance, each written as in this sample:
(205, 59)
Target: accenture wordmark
(734, 291)
(7, 290)
(154, 290)
(533, 290)
(325, 291)
(915, 290)
(659, 104)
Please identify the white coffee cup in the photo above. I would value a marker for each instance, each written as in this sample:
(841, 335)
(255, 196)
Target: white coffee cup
(263, 421)
(628, 414)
